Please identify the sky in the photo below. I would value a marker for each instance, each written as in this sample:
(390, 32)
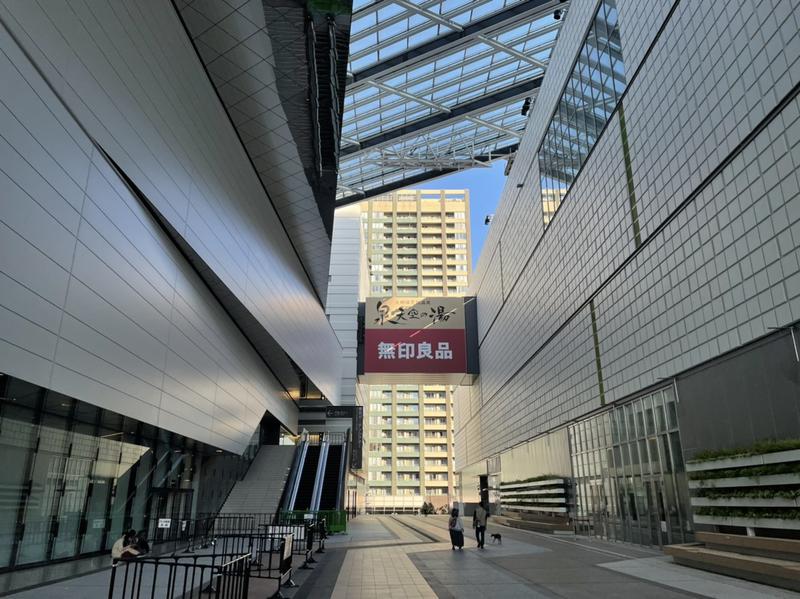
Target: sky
(485, 186)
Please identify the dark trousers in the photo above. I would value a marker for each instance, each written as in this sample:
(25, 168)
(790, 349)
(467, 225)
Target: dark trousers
(480, 535)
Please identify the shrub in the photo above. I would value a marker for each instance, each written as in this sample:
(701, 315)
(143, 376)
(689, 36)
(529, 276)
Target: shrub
(533, 479)
(747, 471)
(758, 448)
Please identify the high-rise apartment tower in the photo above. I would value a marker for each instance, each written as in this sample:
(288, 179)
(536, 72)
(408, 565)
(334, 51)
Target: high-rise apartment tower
(418, 244)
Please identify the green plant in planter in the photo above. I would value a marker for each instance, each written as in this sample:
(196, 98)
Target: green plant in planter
(749, 513)
(533, 479)
(747, 471)
(758, 448)
(537, 495)
(749, 493)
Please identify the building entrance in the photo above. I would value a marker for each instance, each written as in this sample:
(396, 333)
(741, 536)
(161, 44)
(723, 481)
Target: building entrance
(170, 509)
(629, 473)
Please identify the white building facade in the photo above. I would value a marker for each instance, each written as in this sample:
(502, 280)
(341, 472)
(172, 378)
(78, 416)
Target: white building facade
(639, 289)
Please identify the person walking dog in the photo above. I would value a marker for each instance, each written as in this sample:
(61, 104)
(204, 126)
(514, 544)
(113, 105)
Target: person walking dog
(479, 518)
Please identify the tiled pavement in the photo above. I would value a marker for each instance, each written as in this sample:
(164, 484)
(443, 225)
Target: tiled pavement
(525, 565)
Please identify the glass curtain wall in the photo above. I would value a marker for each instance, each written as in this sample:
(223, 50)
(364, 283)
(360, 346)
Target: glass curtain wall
(586, 104)
(629, 473)
(75, 476)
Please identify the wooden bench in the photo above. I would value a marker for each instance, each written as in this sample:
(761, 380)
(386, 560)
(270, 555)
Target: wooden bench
(766, 570)
(787, 549)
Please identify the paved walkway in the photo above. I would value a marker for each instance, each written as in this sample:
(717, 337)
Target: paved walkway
(418, 562)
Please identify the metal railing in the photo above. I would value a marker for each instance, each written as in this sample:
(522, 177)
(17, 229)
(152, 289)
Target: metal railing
(240, 547)
(219, 577)
(335, 520)
(231, 532)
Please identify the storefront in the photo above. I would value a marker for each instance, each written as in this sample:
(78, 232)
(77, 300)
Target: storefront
(74, 476)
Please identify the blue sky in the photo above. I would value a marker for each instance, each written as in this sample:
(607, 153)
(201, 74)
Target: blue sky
(485, 185)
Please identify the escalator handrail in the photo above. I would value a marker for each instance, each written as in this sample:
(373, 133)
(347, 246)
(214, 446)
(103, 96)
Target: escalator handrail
(296, 474)
(320, 475)
(342, 472)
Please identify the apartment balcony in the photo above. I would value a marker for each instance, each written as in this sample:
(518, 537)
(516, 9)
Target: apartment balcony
(409, 468)
(413, 439)
(408, 454)
(435, 426)
(434, 414)
(435, 454)
(442, 468)
(401, 397)
(405, 427)
(436, 483)
(380, 483)
(407, 483)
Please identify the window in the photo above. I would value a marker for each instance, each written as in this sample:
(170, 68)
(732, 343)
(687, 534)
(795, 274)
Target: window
(589, 97)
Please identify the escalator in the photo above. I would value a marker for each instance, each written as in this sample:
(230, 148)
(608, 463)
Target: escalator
(305, 489)
(330, 481)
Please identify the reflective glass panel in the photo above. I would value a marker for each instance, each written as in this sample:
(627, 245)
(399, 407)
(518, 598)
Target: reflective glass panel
(587, 101)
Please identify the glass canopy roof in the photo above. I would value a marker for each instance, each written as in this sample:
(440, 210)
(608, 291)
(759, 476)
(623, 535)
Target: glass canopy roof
(436, 86)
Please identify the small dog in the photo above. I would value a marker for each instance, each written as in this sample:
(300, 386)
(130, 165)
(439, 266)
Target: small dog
(496, 536)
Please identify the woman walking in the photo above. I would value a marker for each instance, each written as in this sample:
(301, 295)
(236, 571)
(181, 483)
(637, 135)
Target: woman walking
(456, 527)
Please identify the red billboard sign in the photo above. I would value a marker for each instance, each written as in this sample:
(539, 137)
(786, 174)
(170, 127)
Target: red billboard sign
(415, 336)
(415, 350)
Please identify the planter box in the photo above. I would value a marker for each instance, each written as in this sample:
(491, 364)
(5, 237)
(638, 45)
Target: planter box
(745, 502)
(532, 508)
(505, 493)
(513, 500)
(746, 481)
(778, 457)
(538, 483)
(748, 522)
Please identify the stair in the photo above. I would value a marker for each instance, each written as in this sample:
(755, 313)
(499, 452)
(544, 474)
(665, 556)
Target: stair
(261, 489)
(761, 559)
(306, 488)
(330, 481)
